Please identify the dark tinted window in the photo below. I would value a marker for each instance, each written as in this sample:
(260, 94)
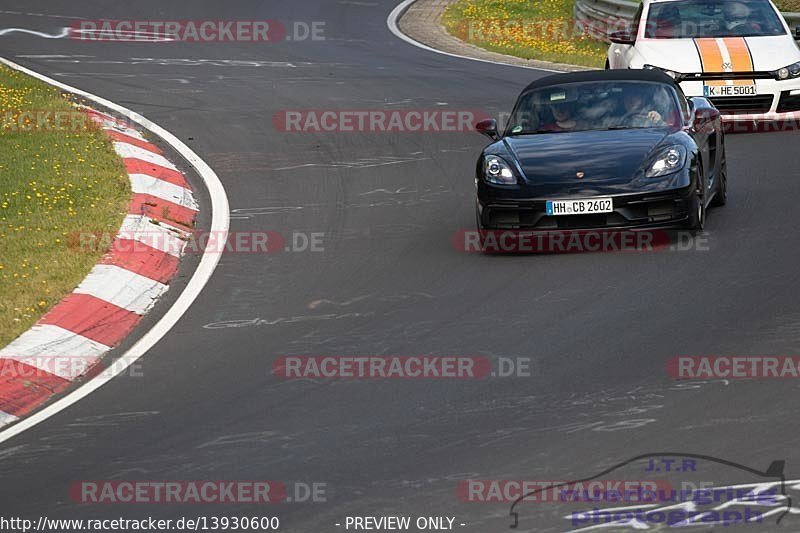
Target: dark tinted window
(712, 18)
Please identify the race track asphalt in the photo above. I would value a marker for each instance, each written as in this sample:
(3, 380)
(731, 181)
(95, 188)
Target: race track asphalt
(598, 327)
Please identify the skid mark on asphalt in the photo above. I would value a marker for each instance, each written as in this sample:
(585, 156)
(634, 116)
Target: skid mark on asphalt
(254, 437)
(60, 35)
(415, 297)
(401, 190)
(606, 411)
(371, 162)
(47, 15)
(261, 162)
(247, 214)
(394, 303)
(111, 420)
(252, 212)
(53, 56)
(283, 320)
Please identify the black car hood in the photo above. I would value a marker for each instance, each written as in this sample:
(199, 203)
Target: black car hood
(610, 160)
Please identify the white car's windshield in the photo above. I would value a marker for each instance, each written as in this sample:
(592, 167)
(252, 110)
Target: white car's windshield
(712, 18)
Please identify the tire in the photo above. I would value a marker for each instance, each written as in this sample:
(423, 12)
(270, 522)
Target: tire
(721, 195)
(481, 229)
(697, 218)
(697, 205)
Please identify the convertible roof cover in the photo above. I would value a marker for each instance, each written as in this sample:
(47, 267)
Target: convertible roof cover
(603, 75)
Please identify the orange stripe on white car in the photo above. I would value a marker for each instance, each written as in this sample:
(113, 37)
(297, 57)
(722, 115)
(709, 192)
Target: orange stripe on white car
(729, 54)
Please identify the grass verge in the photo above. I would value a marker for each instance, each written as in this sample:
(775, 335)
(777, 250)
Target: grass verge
(788, 5)
(542, 29)
(58, 178)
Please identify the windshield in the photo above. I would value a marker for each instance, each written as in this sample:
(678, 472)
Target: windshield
(594, 106)
(712, 18)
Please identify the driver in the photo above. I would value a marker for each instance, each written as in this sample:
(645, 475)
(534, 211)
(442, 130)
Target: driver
(737, 14)
(637, 114)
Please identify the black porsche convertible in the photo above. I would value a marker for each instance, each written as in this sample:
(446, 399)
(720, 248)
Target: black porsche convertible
(602, 149)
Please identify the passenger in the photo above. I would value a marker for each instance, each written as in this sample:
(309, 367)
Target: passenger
(563, 117)
(668, 23)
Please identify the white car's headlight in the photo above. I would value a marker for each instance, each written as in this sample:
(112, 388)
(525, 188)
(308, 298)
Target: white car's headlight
(667, 161)
(791, 71)
(496, 170)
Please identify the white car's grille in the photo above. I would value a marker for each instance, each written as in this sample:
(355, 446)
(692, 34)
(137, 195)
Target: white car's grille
(743, 104)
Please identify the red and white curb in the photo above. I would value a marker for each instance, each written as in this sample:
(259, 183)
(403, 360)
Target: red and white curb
(69, 341)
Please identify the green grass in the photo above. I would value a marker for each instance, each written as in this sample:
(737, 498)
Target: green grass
(542, 29)
(56, 182)
(788, 5)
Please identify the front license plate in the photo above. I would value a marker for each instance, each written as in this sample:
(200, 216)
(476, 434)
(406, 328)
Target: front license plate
(729, 90)
(580, 207)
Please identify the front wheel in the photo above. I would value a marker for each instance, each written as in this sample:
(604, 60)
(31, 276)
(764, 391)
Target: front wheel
(697, 205)
(697, 217)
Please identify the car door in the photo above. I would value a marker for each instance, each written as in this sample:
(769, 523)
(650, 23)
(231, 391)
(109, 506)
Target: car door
(621, 55)
(706, 140)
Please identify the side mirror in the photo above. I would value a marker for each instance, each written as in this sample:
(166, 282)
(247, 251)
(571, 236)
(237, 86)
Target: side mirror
(704, 117)
(488, 127)
(621, 37)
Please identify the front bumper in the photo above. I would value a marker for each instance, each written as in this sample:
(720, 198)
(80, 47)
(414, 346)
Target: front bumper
(667, 209)
(777, 101)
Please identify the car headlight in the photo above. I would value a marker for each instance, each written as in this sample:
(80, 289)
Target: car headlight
(671, 73)
(792, 71)
(667, 161)
(496, 170)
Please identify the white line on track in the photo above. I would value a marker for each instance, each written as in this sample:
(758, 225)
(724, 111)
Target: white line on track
(220, 222)
(398, 11)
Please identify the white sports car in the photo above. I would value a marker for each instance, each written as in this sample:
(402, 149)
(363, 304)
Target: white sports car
(740, 54)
